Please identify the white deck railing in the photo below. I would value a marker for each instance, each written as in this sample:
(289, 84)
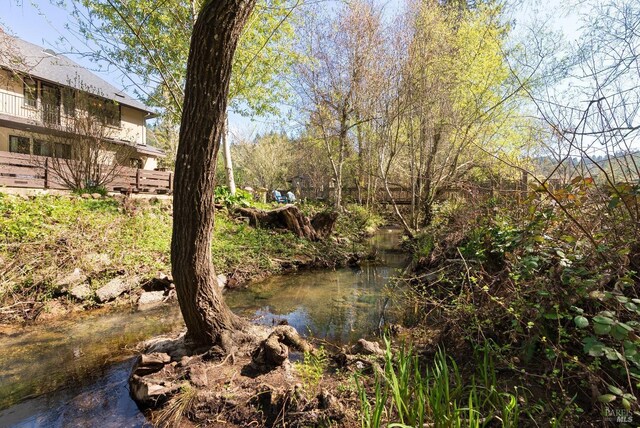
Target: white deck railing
(14, 105)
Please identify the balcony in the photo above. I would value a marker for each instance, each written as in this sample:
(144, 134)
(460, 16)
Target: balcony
(15, 106)
(44, 114)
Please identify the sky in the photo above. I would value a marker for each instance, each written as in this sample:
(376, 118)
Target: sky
(41, 23)
(44, 24)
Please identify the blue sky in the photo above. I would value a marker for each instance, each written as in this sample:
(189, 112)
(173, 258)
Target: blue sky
(44, 24)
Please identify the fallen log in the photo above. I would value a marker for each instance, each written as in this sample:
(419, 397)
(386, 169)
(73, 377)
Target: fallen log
(290, 217)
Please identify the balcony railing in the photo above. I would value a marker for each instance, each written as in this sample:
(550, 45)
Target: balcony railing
(14, 105)
(52, 116)
(42, 113)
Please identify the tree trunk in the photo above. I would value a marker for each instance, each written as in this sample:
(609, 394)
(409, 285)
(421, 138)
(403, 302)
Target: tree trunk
(213, 43)
(323, 223)
(428, 179)
(342, 137)
(228, 164)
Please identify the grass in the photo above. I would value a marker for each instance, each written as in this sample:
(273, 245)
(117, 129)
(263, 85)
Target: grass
(312, 368)
(238, 246)
(43, 238)
(172, 414)
(409, 394)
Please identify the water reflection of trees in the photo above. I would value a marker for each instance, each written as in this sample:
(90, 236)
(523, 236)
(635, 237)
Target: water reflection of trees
(341, 305)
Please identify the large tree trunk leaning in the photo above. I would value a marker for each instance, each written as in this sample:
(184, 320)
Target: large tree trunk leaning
(289, 217)
(213, 43)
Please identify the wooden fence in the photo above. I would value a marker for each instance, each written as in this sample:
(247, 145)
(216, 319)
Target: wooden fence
(400, 195)
(516, 189)
(36, 172)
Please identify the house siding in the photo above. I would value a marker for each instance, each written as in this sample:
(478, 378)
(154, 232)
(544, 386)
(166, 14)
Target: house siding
(132, 125)
(132, 129)
(10, 84)
(149, 163)
(4, 137)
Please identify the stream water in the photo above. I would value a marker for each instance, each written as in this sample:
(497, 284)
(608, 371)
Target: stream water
(73, 373)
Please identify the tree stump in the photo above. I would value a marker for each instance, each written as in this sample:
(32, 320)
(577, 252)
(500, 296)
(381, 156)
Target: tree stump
(323, 223)
(290, 217)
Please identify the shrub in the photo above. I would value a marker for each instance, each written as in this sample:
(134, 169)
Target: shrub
(223, 196)
(553, 282)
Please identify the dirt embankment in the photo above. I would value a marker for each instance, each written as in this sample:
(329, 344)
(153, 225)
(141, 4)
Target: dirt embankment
(66, 254)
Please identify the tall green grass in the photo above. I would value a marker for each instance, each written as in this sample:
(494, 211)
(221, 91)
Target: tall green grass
(410, 395)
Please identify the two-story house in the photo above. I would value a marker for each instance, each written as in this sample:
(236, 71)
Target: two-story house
(46, 100)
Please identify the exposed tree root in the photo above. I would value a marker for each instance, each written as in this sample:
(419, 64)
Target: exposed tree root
(157, 373)
(291, 218)
(252, 382)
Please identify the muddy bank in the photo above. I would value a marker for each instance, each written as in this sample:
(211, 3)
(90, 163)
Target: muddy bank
(272, 379)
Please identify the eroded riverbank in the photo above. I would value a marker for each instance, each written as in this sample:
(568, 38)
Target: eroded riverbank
(78, 368)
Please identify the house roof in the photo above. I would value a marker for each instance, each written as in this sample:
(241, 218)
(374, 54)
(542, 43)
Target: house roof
(151, 151)
(21, 56)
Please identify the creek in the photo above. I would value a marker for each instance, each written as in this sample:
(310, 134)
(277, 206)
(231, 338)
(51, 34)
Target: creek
(74, 372)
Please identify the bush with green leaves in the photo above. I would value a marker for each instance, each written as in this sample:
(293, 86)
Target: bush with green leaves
(554, 282)
(101, 190)
(358, 220)
(312, 368)
(222, 195)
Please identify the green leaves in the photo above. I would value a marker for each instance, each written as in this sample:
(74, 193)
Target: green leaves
(581, 322)
(222, 195)
(616, 393)
(605, 320)
(606, 398)
(150, 40)
(620, 331)
(593, 346)
(602, 325)
(605, 324)
(615, 390)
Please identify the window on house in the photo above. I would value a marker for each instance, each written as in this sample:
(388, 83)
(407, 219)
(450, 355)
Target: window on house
(106, 111)
(50, 102)
(19, 145)
(41, 148)
(30, 92)
(69, 101)
(50, 95)
(62, 151)
(112, 113)
(136, 163)
(93, 105)
(24, 145)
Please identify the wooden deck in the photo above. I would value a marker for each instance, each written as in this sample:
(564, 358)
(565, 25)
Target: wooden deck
(35, 172)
